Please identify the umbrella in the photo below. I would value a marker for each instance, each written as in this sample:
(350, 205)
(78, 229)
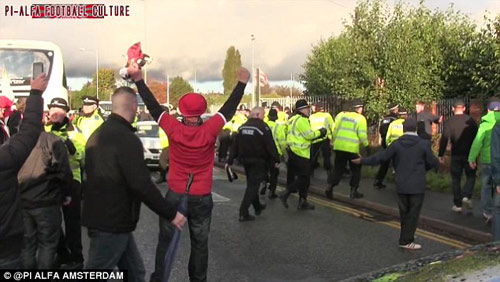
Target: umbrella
(170, 255)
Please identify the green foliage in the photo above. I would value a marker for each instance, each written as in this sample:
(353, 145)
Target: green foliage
(107, 83)
(177, 88)
(403, 55)
(231, 66)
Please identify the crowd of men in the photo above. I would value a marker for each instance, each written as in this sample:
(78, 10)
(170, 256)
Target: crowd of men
(301, 137)
(61, 173)
(58, 174)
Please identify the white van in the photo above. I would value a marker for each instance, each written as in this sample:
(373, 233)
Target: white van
(20, 59)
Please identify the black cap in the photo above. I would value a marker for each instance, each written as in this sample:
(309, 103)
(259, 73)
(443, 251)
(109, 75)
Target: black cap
(59, 103)
(272, 115)
(402, 112)
(300, 104)
(410, 125)
(458, 102)
(242, 107)
(357, 103)
(88, 100)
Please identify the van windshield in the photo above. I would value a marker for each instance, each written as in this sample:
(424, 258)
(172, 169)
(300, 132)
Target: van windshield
(16, 65)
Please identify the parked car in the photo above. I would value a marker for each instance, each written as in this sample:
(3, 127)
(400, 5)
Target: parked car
(147, 131)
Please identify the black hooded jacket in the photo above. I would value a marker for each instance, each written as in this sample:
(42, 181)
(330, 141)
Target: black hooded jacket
(412, 157)
(12, 155)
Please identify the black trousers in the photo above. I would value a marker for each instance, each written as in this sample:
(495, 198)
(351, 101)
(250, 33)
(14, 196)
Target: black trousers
(70, 242)
(255, 173)
(324, 147)
(341, 160)
(458, 165)
(382, 171)
(273, 177)
(409, 212)
(199, 217)
(298, 174)
(224, 143)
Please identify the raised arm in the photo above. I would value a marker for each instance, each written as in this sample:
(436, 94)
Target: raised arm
(229, 107)
(17, 149)
(147, 96)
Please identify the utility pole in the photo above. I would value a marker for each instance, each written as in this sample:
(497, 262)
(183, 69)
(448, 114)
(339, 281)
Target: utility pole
(168, 89)
(253, 70)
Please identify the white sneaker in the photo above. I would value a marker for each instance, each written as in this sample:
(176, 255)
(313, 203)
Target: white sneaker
(456, 209)
(411, 246)
(467, 203)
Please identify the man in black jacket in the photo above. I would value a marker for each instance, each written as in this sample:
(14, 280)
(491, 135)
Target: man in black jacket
(44, 181)
(461, 130)
(13, 154)
(254, 147)
(412, 157)
(117, 182)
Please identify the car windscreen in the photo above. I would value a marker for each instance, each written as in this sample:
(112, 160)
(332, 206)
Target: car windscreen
(147, 130)
(17, 64)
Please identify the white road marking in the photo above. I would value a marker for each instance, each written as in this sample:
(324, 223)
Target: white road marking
(218, 198)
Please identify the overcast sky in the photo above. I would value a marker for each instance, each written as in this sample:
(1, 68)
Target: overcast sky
(187, 35)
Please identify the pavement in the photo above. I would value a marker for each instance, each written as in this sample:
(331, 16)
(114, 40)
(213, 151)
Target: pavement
(436, 211)
(331, 243)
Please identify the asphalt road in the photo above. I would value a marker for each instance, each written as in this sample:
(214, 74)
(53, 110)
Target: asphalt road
(331, 243)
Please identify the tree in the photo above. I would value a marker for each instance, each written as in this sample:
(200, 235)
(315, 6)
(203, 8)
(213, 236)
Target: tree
(159, 90)
(76, 97)
(231, 66)
(107, 83)
(178, 87)
(403, 55)
(284, 91)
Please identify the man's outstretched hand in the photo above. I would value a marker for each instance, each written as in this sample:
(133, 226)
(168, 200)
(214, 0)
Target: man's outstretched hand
(243, 75)
(134, 71)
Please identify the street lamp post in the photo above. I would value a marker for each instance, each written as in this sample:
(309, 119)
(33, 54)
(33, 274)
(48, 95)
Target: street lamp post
(253, 70)
(96, 68)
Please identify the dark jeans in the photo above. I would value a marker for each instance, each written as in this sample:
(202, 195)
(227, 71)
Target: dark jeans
(496, 216)
(42, 227)
(70, 243)
(298, 174)
(10, 254)
(12, 261)
(224, 143)
(109, 250)
(341, 160)
(255, 173)
(458, 165)
(199, 216)
(409, 212)
(273, 177)
(326, 152)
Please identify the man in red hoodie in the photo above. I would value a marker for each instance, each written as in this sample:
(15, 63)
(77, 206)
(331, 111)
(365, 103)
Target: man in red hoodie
(192, 150)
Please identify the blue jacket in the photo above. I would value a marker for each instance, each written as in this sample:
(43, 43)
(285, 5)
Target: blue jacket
(412, 157)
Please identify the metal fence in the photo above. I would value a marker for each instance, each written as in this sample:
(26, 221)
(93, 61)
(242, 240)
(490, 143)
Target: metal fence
(336, 104)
